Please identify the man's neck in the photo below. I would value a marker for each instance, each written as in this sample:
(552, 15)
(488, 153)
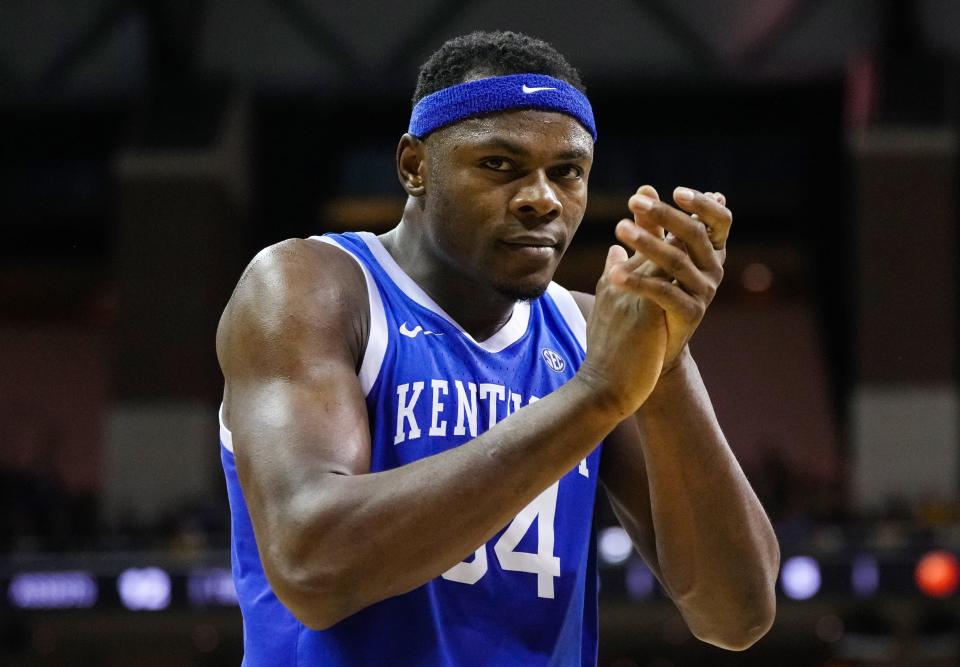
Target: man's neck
(480, 312)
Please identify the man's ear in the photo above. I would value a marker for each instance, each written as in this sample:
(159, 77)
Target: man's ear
(411, 165)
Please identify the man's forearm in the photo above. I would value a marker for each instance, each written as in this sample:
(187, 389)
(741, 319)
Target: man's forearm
(716, 549)
(369, 537)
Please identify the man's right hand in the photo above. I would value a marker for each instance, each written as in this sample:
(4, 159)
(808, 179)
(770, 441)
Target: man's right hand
(626, 341)
(648, 305)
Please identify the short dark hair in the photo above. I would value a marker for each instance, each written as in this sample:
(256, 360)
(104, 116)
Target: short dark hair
(495, 53)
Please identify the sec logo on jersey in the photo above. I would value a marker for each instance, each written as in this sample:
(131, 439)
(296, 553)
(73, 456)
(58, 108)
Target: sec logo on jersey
(553, 359)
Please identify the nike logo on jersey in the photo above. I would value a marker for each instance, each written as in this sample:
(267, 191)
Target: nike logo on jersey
(527, 89)
(412, 333)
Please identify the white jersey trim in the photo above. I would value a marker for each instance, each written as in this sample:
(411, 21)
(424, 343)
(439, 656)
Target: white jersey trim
(570, 311)
(377, 337)
(508, 334)
(226, 437)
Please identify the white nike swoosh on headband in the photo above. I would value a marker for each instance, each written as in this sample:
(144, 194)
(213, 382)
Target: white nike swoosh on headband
(527, 89)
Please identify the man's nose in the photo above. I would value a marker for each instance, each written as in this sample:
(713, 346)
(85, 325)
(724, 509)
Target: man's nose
(536, 199)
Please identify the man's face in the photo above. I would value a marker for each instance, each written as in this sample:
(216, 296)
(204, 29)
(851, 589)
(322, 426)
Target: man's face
(504, 196)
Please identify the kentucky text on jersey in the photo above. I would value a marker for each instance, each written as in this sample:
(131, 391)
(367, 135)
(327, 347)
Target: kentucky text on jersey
(496, 400)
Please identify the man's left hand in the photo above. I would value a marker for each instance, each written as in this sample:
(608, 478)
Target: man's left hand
(678, 259)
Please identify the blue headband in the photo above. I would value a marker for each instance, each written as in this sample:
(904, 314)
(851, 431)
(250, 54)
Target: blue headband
(500, 93)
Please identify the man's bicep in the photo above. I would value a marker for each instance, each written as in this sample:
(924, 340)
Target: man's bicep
(289, 349)
(287, 430)
(293, 441)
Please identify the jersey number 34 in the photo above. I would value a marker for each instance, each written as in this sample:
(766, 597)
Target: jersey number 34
(544, 564)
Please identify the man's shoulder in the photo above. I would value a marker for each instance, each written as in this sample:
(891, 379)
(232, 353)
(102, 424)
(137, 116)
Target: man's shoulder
(300, 257)
(301, 268)
(292, 296)
(297, 284)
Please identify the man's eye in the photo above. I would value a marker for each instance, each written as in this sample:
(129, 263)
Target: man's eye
(568, 172)
(497, 164)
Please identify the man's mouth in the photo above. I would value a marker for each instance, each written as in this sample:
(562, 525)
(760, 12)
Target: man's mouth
(533, 247)
(531, 241)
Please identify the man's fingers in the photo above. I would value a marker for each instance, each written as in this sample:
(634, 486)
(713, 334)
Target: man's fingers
(614, 269)
(692, 232)
(649, 192)
(672, 261)
(615, 255)
(669, 296)
(710, 208)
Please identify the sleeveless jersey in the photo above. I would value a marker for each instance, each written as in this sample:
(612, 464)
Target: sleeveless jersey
(526, 597)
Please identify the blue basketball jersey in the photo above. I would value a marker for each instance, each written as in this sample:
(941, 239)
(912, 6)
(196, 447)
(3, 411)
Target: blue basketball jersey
(526, 597)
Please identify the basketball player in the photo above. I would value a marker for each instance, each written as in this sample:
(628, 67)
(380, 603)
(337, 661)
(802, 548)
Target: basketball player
(414, 424)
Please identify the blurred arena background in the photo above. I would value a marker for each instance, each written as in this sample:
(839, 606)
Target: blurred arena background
(149, 148)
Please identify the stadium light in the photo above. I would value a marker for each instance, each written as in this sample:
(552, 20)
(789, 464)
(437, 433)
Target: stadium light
(640, 580)
(800, 577)
(213, 586)
(937, 574)
(144, 589)
(865, 576)
(615, 546)
(53, 590)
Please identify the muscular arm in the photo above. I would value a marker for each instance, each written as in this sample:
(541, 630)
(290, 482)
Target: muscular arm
(334, 537)
(680, 494)
(672, 479)
(717, 550)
